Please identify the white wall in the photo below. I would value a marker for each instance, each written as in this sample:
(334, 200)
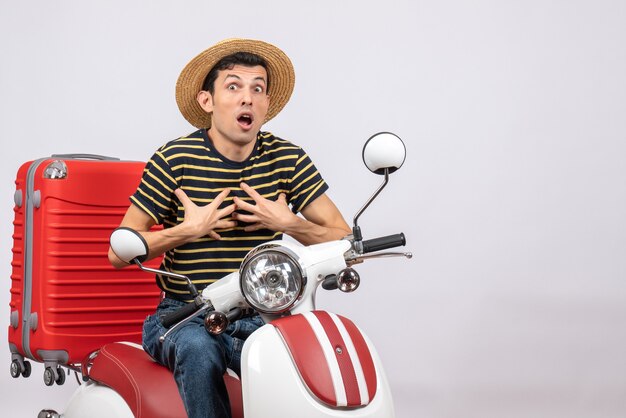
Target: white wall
(513, 195)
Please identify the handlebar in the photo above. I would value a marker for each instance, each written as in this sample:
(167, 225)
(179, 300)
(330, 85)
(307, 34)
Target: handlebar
(180, 314)
(383, 243)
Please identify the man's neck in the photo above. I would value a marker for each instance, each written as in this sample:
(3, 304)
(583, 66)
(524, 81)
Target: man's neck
(229, 149)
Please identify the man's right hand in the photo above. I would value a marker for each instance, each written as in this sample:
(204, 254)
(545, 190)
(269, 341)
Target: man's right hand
(199, 221)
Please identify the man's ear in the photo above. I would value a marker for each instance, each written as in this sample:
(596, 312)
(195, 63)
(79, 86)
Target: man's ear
(205, 100)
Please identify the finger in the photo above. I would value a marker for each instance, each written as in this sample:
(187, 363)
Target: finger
(251, 192)
(184, 199)
(215, 235)
(225, 224)
(222, 213)
(220, 198)
(282, 198)
(247, 218)
(244, 205)
(254, 227)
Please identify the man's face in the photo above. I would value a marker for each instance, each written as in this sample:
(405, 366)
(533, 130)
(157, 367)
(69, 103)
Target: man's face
(239, 104)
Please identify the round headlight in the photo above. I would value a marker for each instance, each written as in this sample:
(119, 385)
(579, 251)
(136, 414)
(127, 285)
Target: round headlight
(272, 279)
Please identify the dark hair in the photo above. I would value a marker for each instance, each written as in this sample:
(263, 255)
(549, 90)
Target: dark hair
(246, 59)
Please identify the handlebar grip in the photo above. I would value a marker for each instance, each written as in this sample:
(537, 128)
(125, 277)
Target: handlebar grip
(180, 314)
(383, 243)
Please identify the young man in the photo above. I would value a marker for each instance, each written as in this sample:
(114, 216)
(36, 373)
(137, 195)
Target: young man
(219, 192)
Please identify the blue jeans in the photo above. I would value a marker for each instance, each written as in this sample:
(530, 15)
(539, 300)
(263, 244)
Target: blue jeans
(197, 358)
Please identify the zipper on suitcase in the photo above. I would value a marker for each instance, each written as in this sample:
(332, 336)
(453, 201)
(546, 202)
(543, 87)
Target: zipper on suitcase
(32, 200)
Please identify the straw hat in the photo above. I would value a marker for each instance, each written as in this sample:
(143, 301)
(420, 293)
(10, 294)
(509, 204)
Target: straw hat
(279, 68)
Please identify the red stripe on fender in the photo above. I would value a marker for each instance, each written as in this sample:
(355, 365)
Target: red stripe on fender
(345, 362)
(365, 357)
(308, 356)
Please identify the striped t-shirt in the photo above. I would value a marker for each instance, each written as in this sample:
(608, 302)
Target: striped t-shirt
(194, 165)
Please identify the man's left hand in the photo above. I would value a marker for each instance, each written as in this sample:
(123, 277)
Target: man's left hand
(264, 214)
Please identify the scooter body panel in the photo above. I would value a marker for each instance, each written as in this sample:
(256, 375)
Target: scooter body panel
(94, 400)
(272, 385)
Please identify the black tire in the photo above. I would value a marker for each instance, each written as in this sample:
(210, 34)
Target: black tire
(61, 379)
(15, 369)
(48, 376)
(27, 369)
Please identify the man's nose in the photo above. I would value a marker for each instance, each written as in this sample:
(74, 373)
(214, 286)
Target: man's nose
(246, 97)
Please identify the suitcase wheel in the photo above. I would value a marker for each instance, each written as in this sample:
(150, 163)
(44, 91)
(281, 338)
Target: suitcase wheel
(52, 376)
(27, 369)
(61, 378)
(48, 376)
(17, 370)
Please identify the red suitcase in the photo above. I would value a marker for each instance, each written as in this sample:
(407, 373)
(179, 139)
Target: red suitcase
(66, 299)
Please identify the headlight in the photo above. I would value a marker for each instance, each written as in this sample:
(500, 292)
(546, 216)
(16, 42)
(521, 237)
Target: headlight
(272, 278)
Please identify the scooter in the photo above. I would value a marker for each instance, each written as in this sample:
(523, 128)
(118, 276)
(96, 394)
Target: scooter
(302, 363)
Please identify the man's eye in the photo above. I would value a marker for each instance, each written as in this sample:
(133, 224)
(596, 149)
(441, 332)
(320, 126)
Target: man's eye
(258, 89)
(232, 87)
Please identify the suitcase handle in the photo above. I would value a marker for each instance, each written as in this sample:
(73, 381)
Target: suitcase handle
(86, 157)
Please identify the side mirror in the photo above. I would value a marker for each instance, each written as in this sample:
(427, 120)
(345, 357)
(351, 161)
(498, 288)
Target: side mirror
(384, 150)
(383, 153)
(128, 245)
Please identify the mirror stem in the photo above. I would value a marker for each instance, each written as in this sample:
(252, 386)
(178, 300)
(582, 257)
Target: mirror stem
(190, 285)
(356, 230)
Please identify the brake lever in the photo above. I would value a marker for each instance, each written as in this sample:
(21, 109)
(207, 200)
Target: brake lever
(360, 258)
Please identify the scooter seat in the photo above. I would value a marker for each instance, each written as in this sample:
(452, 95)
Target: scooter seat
(148, 388)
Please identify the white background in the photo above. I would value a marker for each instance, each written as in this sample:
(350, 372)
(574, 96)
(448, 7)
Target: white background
(513, 195)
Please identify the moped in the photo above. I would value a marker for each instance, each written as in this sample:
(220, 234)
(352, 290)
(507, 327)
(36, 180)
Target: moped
(302, 363)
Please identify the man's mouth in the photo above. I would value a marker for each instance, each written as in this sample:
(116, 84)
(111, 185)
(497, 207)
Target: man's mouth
(245, 120)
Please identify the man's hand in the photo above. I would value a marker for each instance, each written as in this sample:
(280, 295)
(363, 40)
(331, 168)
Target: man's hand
(200, 221)
(265, 214)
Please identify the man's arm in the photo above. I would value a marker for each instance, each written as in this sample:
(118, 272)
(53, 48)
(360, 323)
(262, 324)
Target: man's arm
(322, 220)
(199, 221)
(323, 223)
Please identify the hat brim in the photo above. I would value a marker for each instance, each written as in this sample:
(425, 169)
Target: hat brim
(279, 68)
